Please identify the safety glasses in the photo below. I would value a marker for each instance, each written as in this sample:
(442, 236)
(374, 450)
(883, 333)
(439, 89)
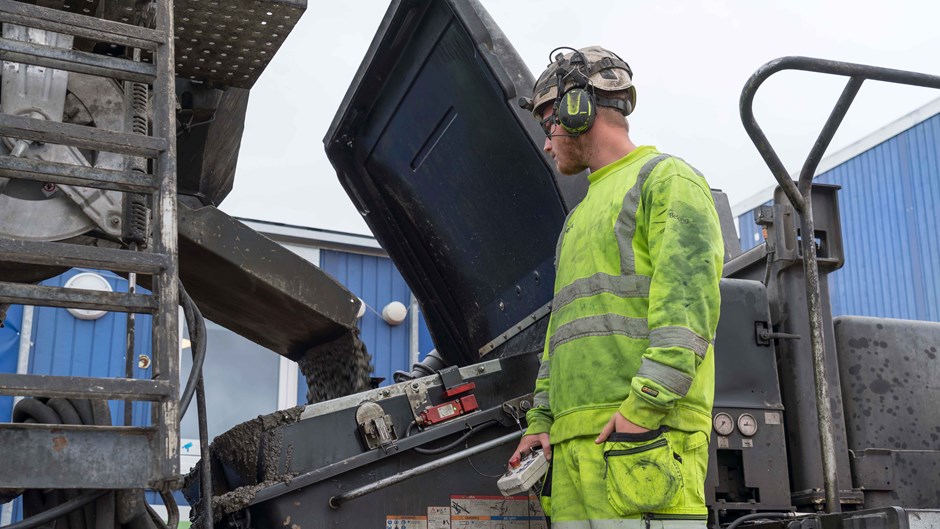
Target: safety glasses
(548, 125)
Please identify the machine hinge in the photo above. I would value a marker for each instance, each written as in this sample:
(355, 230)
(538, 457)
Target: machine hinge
(376, 427)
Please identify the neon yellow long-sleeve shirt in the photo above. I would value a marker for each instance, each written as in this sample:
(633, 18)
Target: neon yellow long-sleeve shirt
(636, 303)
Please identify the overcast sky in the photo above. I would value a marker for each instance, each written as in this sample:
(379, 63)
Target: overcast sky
(690, 61)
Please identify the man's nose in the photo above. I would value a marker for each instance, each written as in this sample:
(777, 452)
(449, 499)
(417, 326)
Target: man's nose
(547, 146)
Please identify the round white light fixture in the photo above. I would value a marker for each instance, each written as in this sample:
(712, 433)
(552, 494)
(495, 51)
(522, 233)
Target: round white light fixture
(362, 309)
(88, 281)
(395, 313)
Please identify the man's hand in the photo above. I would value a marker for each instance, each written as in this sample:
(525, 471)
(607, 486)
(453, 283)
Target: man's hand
(527, 443)
(618, 423)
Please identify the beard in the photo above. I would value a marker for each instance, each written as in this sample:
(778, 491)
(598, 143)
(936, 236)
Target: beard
(573, 156)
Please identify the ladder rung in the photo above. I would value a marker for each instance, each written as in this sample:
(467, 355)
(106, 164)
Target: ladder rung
(76, 61)
(75, 298)
(19, 385)
(23, 14)
(77, 456)
(80, 136)
(74, 255)
(76, 175)
(78, 31)
(105, 28)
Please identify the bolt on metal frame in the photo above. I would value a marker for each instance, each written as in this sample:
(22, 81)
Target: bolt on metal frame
(73, 455)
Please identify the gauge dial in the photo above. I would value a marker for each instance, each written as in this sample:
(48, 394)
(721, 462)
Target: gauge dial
(747, 424)
(724, 424)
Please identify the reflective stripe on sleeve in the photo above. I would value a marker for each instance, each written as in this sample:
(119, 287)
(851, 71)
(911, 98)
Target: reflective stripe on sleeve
(678, 337)
(601, 325)
(669, 377)
(544, 369)
(622, 286)
(540, 400)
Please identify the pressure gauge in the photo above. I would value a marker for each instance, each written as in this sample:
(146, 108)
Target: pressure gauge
(724, 424)
(747, 424)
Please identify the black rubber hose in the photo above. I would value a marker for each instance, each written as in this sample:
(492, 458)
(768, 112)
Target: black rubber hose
(189, 314)
(197, 334)
(196, 383)
(83, 407)
(449, 446)
(33, 408)
(757, 516)
(66, 411)
(58, 510)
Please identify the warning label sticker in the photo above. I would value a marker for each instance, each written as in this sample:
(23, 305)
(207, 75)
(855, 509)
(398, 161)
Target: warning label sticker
(477, 512)
(496, 512)
(439, 518)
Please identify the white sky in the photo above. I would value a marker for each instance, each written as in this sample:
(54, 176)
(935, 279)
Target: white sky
(690, 60)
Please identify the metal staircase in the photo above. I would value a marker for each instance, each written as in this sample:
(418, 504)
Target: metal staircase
(82, 456)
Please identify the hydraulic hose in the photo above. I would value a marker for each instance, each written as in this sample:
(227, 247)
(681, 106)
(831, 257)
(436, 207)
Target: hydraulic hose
(196, 383)
(449, 446)
(197, 334)
(759, 515)
(59, 510)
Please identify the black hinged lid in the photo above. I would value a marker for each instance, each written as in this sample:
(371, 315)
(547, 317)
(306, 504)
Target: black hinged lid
(448, 172)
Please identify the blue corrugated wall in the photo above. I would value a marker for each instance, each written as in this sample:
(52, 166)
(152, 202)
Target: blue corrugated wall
(890, 226)
(377, 282)
(9, 353)
(89, 348)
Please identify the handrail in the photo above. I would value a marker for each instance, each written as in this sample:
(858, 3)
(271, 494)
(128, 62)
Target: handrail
(799, 195)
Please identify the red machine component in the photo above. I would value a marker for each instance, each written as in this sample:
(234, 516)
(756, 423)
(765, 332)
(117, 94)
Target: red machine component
(449, 410)
(457, 390)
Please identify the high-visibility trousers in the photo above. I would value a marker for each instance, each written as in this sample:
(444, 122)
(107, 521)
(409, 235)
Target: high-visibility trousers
(633, 481)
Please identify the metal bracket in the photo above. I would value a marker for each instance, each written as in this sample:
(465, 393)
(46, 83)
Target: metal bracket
(873, 469)
(763, 336)
(516, 329)
(376, 427)
(517, 407)
(417, 393)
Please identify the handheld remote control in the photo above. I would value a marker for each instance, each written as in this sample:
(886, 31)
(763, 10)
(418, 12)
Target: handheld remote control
(520, 479)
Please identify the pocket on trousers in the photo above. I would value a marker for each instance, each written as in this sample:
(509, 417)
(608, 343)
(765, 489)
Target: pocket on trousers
(642, 472)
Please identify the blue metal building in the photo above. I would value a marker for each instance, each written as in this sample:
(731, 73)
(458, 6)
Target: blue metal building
(890, 225)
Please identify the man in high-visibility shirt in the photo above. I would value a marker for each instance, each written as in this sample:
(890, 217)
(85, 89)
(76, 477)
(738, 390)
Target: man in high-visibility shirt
(623, 398)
